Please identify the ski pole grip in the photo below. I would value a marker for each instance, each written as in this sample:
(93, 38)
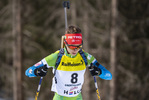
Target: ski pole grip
(66, 4)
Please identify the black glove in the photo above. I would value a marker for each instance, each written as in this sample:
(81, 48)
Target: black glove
(94, 70)
(42, 71)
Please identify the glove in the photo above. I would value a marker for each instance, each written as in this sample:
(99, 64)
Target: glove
(94, 70)
(41, 71)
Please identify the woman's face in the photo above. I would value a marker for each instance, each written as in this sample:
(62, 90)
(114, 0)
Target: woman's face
(73, 52)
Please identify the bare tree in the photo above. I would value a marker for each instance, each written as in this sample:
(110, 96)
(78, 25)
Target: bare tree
(86, 89)
(17, 50)
(113, 48)
(73, 12)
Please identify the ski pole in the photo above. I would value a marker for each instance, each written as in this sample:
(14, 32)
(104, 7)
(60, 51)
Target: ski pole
(96, 88)
(66, 6)
(37, 93)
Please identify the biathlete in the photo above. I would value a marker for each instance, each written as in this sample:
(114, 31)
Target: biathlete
(69, 65)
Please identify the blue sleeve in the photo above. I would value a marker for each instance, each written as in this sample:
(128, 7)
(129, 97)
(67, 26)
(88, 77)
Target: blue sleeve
(30, 71)
(105, 74)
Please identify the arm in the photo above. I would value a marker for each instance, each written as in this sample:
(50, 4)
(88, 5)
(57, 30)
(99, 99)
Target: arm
(40, 68)
(101, 71)
(97, 69)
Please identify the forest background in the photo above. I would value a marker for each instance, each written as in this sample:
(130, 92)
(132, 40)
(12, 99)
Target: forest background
(124, 23)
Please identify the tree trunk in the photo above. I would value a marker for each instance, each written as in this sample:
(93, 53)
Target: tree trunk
(73, 12)
(17, 50)
(86, 86)
(113, 49)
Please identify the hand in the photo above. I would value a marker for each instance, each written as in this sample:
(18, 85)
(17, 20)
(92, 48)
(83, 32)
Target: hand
(94, 70)
(41, 71)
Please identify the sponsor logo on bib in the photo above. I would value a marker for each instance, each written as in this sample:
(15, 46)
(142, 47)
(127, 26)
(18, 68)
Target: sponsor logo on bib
(71, 92)
(72, 64)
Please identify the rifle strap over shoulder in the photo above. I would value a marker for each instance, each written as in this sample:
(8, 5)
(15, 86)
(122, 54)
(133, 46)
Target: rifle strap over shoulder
(61, 53)
(83, 56)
